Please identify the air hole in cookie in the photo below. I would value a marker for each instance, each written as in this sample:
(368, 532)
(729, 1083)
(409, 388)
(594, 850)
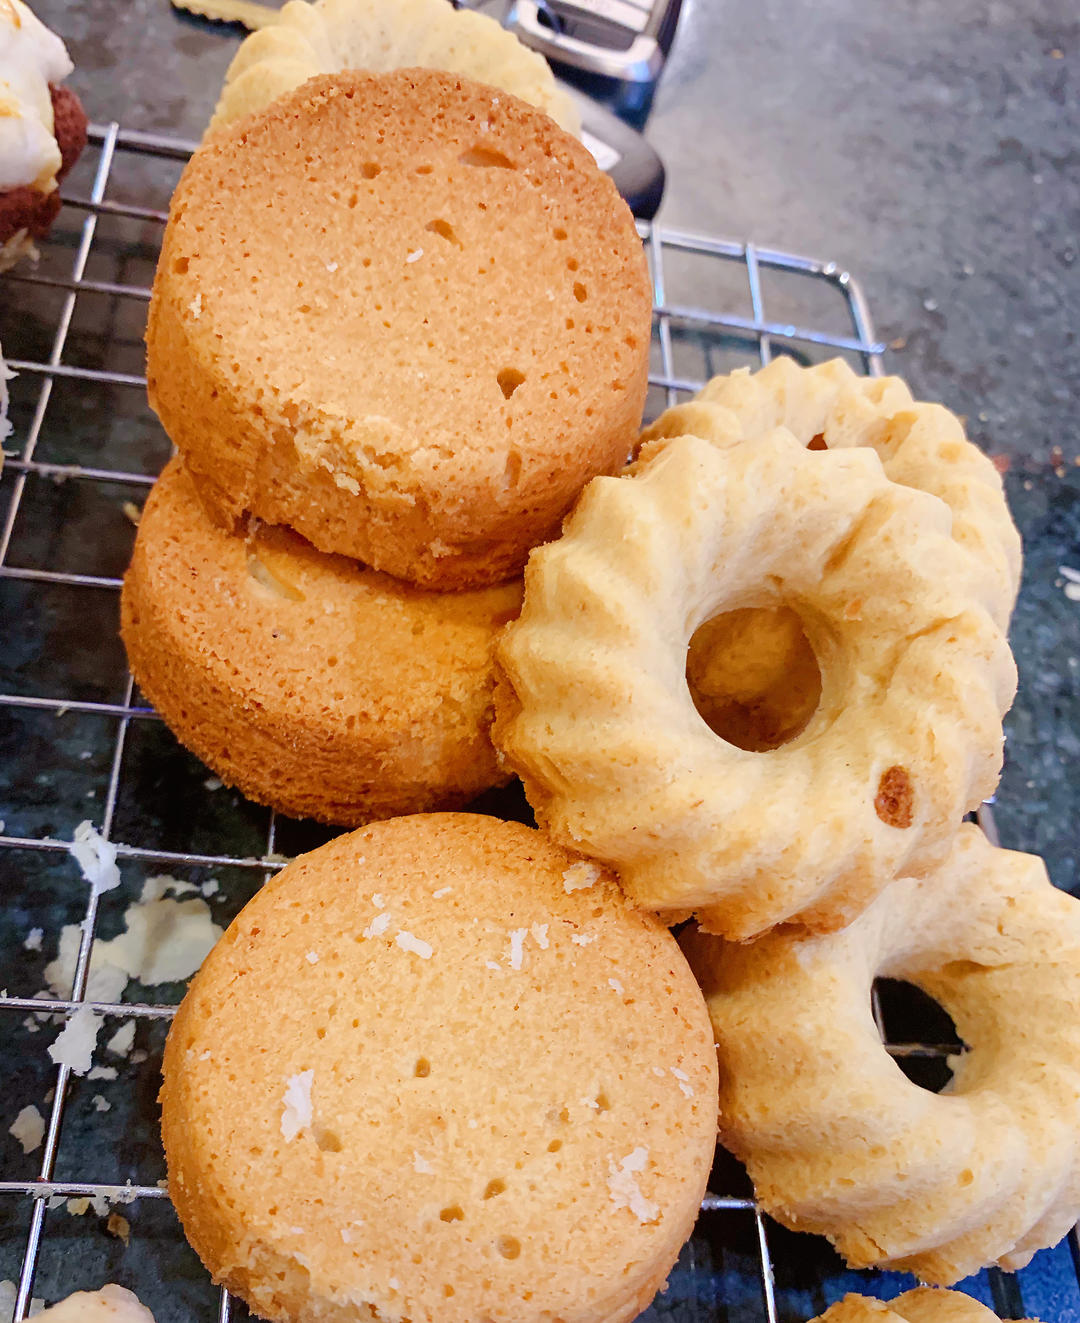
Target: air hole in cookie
(918, 1032)
(603, 1102)
(753, 676)
(509, 380)
(508, 1246)
(181, 265)
(325, 1140)
(580, 292)
(817, 442)
(370, 169)
(497, 1186)
(555, 1145)
(455, 1213)
(444, 230)
(559, 233)
(487, 158)
(422, 1069)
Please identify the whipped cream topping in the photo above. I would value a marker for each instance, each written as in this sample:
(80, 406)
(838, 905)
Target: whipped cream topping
(31, 57)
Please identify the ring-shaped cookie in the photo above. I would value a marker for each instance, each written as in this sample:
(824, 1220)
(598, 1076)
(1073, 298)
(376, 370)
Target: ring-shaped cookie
(923, 1305)
(331, 35)
(596, 714)
(838, 1141)
(920, 445)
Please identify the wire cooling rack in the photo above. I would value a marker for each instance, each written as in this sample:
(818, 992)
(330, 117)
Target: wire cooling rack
(78, 742)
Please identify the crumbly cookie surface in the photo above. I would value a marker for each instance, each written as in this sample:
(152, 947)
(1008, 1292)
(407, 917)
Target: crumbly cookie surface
(404, 314)
(441, 1069)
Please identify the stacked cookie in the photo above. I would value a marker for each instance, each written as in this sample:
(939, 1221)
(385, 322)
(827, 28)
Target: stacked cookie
(397, 323)
(816, 525)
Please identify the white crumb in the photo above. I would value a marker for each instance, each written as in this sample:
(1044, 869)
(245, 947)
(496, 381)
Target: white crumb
(583, 939)
(421, 1164)
(377, 900)
(1067, 572)
(210, 888)
(120, 1044)
(296, 1105)
(684, 1083)
(28, 1128)
(74, 1044)
(1072, 592)
(416, 945)
(207, 1055)
(442, 891)
(540, 935)
(6, 375)
(378, 925)
(164, 941)
(213, 783)
(658, 1071)
(331, 267)
(517, 946)
(312, 957)
(195, 306)
(394, 1284)
(579, 876)
(102, 1073)
(614, 983)
(9, 1292)
(33, 939)
(346, 1235)
(101, 1103)
(415, 255)
(96, 857)
(590, 1102)
(490, 964)
(132, 513)
(624, 1189)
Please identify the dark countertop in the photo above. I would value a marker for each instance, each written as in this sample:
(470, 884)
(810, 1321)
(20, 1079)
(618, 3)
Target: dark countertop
(931, 150)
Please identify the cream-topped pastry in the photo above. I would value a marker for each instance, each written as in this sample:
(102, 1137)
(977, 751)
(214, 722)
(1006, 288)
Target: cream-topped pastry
(31, 59)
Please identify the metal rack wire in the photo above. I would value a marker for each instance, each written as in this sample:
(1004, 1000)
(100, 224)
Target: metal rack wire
(691, 342)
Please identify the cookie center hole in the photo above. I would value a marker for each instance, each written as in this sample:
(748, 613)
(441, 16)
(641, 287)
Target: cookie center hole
(917, 1030)
(753, 676)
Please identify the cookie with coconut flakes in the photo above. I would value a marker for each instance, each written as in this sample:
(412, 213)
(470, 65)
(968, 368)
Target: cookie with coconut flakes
(441, 1069)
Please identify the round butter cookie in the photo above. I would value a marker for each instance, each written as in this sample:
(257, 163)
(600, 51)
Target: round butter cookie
(923, 1305)
(596, 713)
(441, 1069)
(830, 407)
(835, 1137)
(405, 315)
(331, 35)
(313, 684)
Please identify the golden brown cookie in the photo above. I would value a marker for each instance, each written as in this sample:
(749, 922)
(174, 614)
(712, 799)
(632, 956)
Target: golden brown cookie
(839, 1142)
(440, 1069)
(313, 684)
(923, 1305)
(403, 314)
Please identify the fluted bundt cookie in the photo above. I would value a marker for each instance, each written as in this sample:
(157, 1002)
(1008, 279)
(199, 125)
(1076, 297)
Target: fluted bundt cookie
(331, 35)
(441, 1069)
(112, 1304)
(920, 445)
(313, 684)
(838, 1141)
(42, 129)
(923, 1305)
(596, 715)
(405, 315)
